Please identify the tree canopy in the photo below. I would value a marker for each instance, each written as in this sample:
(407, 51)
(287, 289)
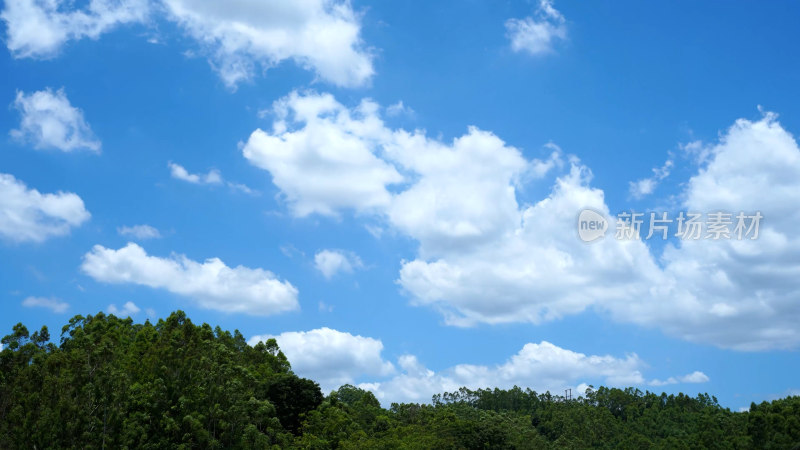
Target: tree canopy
(111, 383)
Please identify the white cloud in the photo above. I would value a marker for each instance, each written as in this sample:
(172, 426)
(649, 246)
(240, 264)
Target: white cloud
(211, 284)
(49, 121)
(331, 357)
(213, 177)
(55, 305)
(28, 215)
(128, 309)
(180, 173)
(537, 271)
(326, 158)
(328, 164)
(463, 192)
(733, 294)
(694, 377)
(141, 232)
(541, 367)
(645, 186)
(537, 35)
(332, 262)
(39, 28)
(240, 35)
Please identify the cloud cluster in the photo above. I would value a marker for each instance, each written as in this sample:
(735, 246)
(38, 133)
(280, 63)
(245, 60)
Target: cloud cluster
(238, 36)
(39, 28)
(49, 121)
(484, 258)
(211, 284)
(28, 215)
(327, 158)
(541, 367)
(335, 358)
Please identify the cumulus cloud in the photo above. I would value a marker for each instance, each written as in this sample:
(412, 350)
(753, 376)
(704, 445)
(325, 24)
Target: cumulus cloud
(536, 35)
(128, 309)
(39, 28)
(331, 144)
(332, 262)
(739, 293)
(55, 305)
(537, 272)
(28, 215)
(241, 35)
(49, 121)
(211, 284)
(645, 186)
(331, 357)
(140, 232)
(327, 158)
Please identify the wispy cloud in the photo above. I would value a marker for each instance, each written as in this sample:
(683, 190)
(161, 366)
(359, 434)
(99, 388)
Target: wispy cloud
(53, 304)
(536, 35)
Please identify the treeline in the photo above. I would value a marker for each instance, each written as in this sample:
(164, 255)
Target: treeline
(110, 383)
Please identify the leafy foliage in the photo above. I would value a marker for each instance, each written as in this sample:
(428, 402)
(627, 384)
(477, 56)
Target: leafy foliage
(115, 384)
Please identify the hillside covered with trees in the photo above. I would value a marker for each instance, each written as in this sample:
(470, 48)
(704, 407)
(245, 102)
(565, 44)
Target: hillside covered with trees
(110, 383)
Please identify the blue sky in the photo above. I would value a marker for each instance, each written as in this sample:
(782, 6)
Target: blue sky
(392, 189)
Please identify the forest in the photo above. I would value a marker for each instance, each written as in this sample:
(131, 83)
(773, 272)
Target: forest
(112, 383)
